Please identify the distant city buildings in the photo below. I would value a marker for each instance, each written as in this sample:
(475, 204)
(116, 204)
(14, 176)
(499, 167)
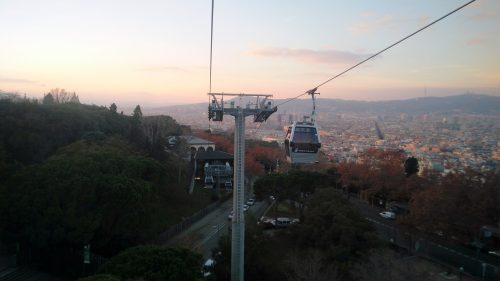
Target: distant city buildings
(441, 142)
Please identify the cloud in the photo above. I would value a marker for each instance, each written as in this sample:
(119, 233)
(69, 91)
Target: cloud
(18, 81)
(312, 56)
(476, 41)
(159, 68)
(386, 21)
(485, 16)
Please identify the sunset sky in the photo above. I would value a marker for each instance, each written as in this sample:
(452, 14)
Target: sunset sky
(156, 53)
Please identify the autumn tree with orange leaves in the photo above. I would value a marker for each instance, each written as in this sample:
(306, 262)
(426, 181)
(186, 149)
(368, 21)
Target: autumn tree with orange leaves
(222, 142)
(459, 205)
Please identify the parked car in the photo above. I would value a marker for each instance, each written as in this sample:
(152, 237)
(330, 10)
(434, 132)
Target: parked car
(388, 215)
(282, 222)
(495, 253)
(230, 216)
(251, 202)
(208, 268)
(245, 207)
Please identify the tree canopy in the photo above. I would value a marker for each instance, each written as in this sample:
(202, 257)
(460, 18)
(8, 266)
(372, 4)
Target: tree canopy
(153, 263)
(330, 240)
(86, 193)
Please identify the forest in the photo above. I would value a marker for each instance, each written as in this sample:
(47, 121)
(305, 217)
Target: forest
(74, 175)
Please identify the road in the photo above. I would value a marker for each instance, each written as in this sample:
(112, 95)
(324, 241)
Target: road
(435, 247)
(203, 236)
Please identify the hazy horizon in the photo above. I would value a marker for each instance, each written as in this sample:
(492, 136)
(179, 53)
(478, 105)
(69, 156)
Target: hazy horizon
(157, 53)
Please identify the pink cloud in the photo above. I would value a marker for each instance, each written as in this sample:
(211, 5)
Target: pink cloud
(386, 21)
(476, 41)
(312, 56)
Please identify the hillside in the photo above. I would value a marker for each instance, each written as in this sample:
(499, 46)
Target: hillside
(72, 174)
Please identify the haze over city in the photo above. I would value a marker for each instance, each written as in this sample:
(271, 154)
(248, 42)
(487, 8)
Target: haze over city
(157, 52)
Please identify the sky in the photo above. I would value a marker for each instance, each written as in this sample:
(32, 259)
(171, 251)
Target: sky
(157, 53)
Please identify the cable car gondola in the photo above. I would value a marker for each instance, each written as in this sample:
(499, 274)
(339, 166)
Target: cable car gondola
(302, 142)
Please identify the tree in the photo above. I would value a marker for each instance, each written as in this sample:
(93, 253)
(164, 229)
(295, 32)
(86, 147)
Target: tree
(333, 227)
(310, 266)
(48, 99)
(101, 194)
(137, 113)
(222, 142)
(384, 264)
(136, 132)
(155, 263)
(411, 166)
(74, 99)
(113, 107)
(326, 245)
(31, 132)
(61, 96)
(457, 206)
(263, 255)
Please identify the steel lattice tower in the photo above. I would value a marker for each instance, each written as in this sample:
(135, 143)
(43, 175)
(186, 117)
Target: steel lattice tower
(261, 110)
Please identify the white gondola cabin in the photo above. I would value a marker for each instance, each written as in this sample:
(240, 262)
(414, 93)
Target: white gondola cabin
(302, 143)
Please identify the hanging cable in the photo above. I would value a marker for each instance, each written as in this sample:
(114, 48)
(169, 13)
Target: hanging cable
(378, 53)
(211, 44)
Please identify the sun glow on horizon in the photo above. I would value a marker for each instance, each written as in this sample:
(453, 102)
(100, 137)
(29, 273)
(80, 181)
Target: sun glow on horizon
(158, 53)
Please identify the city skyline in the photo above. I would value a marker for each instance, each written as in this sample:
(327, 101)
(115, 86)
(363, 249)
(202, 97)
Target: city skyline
(157, 53)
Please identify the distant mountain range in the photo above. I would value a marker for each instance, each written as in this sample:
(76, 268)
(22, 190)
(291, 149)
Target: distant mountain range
(469, 103)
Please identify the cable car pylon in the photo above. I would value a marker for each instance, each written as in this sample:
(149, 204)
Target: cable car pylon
(261, 110)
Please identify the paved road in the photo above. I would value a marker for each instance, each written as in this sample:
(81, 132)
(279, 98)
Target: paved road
(204, 235)
(371, 213)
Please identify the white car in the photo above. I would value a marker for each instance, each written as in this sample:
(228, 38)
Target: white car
(251, 202)
(388, 215)
(208, 268)
(245, 207)
(495, 253)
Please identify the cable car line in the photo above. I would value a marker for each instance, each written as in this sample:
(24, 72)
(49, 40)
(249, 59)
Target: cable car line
(211, 45)
(380, 52)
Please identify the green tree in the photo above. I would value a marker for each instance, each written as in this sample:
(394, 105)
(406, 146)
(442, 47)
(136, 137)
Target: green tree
(333, 227)
(30, 132)
(48, 99)
(330, 241)
(155, 263)
(87, 193)
(113, 107)
(411, 166)
(137, 113)
(264, 255)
